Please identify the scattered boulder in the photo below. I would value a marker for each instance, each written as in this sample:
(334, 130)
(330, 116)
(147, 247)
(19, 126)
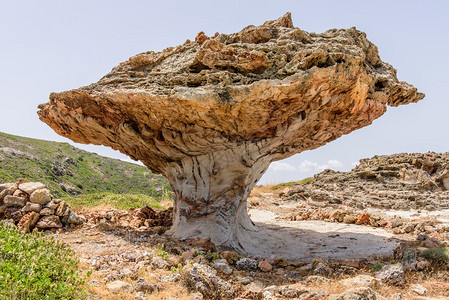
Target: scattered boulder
(222, 266)
(203, 279)
(119, 286)
(246, 264)
(361, 281)
(145, 287)
(393, 274)
(418, 289)
(362, 293)
(159, 263)
(265, 266)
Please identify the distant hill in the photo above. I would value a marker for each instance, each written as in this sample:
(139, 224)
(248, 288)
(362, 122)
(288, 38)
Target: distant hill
(67, 170)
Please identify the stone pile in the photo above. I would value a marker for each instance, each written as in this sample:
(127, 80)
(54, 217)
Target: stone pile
(30, 205)
(399, 181)
(145, 218)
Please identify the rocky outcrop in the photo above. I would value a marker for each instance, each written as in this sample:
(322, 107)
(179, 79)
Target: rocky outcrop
(30, 205)
(212, 114)
(398, 181)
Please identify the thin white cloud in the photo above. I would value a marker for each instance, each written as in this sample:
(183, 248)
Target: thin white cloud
(308, 166)
(282, 167)
(334, 164)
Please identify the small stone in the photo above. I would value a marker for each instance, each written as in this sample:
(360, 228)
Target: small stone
(255, 286)
(119, 286)
(30, 187)
(221, 266)
(48, 222)
(393, 274)
(231, 256)
(362, 293)
(140, 296)
(75, 219)
(315, 279)
(322, 269)
(246, 264)
(265, 266)
(203, 279)
(46, 211)
(159, 263)
(143, 286)
(363, 219)
(396, 222)
(187, 255)
(52, 204)
(421, 265)
(19, 193)
(63, 209)
(28, 221)
(174, 260)
(174, 277)
(349, 219)
(29, 206)
(418, 289)
(14, 201)
(305, 269)
(197, 296)
(292, 291)
(41, 196)
(361, 281)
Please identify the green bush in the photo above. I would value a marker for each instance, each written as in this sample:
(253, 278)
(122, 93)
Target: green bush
(119, 201)
(291, 183)
(33, 266)
(437, 254)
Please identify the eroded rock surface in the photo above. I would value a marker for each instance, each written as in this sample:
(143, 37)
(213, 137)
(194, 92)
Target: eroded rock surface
(399, 181)
(212, 114)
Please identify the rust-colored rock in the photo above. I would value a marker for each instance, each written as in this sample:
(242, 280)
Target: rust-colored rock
(212, 114)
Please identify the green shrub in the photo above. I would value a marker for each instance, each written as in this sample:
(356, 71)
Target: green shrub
(291, 183)
(437, 254)
(33, 266)
(119, 201)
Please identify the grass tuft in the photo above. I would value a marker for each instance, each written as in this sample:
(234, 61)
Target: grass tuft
(291, 183)
(118, 201)
(437, 254)
(33, 266)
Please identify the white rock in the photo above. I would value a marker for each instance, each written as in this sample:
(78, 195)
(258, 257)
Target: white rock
(118, 286)
(418, 289)
(41, 196)
(29, 187)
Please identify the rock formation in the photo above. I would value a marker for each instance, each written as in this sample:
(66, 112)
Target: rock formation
(212, 114)
(398, 181)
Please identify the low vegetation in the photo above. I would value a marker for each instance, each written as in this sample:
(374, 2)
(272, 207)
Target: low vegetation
(438, 255)
(291, 183)
(33, 266)
(67, 170)
(118, 201)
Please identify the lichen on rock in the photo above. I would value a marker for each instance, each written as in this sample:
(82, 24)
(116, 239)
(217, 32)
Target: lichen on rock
(212, 114)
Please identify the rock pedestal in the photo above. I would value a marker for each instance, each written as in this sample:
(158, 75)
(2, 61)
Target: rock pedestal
(212, 114)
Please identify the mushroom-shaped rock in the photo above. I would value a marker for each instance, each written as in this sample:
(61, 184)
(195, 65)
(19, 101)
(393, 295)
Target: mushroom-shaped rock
(212, 114)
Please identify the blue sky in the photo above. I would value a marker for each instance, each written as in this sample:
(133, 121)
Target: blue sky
(51, 46)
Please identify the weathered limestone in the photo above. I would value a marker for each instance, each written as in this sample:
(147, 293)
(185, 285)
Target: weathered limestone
(212, 114)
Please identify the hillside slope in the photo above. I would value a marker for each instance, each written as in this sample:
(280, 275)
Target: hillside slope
(67, 170)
